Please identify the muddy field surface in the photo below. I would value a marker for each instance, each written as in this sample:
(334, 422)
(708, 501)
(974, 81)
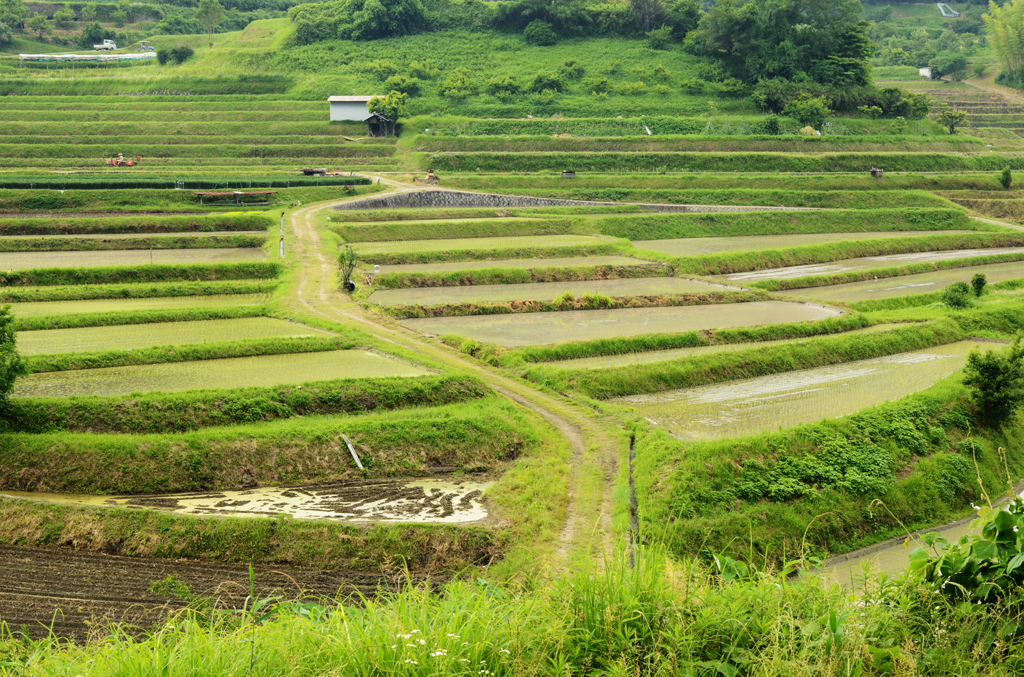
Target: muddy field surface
(77, 594)
(459, 499)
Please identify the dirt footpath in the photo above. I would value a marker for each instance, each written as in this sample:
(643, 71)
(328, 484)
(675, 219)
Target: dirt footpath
(77, 593)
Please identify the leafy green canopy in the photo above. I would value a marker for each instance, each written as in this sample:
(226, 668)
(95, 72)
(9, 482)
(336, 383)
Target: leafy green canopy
(357, 19)
(822, 40)
(11, 364)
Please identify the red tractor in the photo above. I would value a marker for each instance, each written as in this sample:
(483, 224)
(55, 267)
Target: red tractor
(119, 161)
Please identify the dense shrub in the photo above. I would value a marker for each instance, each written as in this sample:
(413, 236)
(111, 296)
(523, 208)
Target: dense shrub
(957, 295)
(549, 81)
(996, 380)
(540, 33)
(403, 84)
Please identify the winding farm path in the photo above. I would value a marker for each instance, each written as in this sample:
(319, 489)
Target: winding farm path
(596, 450)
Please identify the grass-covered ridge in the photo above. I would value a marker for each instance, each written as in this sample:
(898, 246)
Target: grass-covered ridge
(195, 409)
(477, 435)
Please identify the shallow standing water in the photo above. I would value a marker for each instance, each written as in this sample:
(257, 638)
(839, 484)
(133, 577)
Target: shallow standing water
(131, 336)
(235, 372)
(604, 361)
(558, 262)
(865, 263)
(527, 329)
(696, 246)
(46, 308)
(127, 257)
(767, 403)
(907, 285)
(387, 500)
(544, 291)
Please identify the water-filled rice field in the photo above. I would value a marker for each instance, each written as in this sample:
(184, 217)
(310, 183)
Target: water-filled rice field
(603, 361)
(235, 372)
(908, 285)
(767, 403)
(696, 246)
(865, 263)
(526, 264)
(130, 236)
(132, 336)
(47, 308)
(515, 242)
(528, 329)
(543, 291)
(127, 257)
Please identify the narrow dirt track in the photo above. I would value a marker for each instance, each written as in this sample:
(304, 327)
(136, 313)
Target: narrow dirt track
(595, 453)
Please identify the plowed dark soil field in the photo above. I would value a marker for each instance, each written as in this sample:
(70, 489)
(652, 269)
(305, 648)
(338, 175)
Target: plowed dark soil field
(76, 594)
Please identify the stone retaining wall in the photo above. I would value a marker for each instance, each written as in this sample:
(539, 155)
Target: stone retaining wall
(454, 198)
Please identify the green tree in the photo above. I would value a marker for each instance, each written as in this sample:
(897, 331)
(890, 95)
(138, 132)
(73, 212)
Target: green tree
(978, 283)
(809, 110)
(1006, 177)
(648, 14)
(13, 12)
(996, 380)
(11, 364)
(40, 25)
(119, 18)
(391, 106)
(540, 33)
(659, 38)
(952, 120)
(6, 34)
(89, 13)
(953, 64)
(64, 18)
(1005, 27)
(209, 15)
(957, 295)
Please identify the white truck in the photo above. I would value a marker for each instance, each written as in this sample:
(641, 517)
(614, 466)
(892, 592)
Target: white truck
(107, 45)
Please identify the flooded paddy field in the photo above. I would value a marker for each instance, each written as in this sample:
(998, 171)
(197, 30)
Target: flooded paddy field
(543, 291)
(908, 285)
(529, 329)
(132, 336)
(563, 262)
(131, 236)
(127, 257)
(865, 263)
(665, 355)
(48, 308)
(778, 401)
(235, 372)
(428, 500)
(515, 242)
(696, 246)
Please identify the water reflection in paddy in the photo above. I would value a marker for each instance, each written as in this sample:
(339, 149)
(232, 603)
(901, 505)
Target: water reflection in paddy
(865, 263)
(545, 291)
(528, 329)
(664, 355)
(127, 257)
(696, 246)
(236, 372)
(767, 403)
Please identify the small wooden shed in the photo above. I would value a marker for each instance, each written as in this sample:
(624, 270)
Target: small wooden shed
(380, 125)
(348, 108)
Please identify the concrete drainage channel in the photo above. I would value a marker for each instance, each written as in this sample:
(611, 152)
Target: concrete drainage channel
(425, 199)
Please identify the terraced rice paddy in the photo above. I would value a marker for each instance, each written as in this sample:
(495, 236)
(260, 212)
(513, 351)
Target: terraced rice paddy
(784, 400)
(523, 242)
(908, 285)
(696, 246)
(865, 263)
(528, 264)
(421, 500)
(236, 372)
(50, 308)
(604, 361)
(126, 257)
(132, 336)
(543, 291)
(130, 236)
(528, 329)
